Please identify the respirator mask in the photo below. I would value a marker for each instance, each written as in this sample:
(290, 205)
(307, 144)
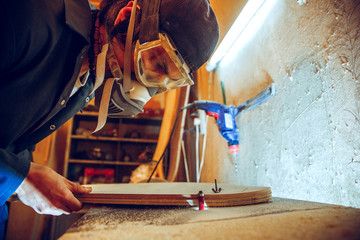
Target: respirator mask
(158, 68)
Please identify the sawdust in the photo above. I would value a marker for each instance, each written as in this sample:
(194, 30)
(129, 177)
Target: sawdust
(119, 217)
(112, 217)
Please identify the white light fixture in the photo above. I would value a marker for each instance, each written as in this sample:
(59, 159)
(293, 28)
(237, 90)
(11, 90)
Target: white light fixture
(251, 11)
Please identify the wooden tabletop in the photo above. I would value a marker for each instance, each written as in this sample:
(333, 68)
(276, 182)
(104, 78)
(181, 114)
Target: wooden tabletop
(278, 219)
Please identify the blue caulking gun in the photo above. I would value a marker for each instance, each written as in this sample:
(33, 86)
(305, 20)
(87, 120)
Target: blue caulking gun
(226, 117)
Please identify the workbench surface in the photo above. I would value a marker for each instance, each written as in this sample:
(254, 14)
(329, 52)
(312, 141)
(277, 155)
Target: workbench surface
(278, 219)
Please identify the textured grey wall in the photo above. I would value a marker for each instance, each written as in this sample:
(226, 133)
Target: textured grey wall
(304, 143)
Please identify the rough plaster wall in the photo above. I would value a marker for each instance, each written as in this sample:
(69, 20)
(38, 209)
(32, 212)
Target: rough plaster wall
(304, 143)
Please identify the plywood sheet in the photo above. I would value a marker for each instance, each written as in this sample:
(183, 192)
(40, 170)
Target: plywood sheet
(175, 194)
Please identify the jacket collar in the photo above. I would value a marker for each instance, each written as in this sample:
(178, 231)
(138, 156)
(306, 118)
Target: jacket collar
(78, 17)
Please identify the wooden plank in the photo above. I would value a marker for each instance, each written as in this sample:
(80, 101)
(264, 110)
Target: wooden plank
(171, 100)
(175, 145)
(175, 194)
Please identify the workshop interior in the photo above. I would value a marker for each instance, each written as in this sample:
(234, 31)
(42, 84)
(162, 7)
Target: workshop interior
(275, 108)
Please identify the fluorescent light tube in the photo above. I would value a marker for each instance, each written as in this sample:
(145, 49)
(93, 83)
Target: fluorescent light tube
(242, 21)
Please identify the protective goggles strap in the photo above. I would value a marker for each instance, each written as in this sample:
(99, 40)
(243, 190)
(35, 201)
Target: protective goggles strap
(128, 46)
(104, 104)
(100, 74)
(100, 67)
(149, 26)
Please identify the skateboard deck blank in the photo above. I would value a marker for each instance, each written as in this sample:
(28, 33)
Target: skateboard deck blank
(175, 194)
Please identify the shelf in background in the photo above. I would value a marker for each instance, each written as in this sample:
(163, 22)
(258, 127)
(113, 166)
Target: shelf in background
(87, 161)
(141, 117)
(122, 139)
(88, 113)
(114, 139)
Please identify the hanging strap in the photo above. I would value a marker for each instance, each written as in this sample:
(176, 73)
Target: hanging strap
(128, 48)
(99, 79)
(100, 68)
(104, 103)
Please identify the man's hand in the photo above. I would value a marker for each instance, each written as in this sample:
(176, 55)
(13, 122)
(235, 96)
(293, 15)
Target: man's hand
(48, 192)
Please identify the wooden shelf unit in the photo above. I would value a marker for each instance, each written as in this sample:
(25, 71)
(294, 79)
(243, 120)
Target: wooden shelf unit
(114, 139)
(118, 145)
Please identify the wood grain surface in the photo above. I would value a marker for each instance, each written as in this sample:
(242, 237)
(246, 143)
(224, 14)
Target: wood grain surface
(175, 194)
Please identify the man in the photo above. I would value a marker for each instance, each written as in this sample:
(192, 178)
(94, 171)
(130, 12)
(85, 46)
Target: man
(49, 49)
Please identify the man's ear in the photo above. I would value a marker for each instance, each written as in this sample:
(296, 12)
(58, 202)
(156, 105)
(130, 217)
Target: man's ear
(124, 13)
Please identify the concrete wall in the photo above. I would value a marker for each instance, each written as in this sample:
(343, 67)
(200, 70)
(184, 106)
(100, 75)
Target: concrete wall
(304, 143)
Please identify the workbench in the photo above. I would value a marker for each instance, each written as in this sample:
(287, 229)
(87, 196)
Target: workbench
(279, 219)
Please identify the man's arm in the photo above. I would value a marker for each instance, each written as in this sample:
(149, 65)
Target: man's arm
(37, 186)
(13, 170)
(47, 192)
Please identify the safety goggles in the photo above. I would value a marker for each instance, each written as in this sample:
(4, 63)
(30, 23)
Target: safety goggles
(158, 64)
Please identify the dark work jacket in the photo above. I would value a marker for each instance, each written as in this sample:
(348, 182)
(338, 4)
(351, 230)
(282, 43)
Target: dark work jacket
(42, 46)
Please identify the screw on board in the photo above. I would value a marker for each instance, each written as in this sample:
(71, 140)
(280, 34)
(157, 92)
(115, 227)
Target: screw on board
(216, 190)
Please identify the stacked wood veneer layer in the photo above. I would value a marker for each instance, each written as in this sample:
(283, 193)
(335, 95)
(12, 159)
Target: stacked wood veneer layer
(175, 194)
